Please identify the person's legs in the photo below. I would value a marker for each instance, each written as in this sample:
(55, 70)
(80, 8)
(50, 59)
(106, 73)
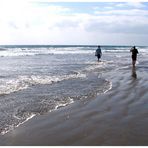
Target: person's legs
(133, 62)
(134, 57)
(98, 56)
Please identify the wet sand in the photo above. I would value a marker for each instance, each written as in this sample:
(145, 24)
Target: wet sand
(118, 117)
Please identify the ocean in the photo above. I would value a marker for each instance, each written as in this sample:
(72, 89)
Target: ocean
(38, 79)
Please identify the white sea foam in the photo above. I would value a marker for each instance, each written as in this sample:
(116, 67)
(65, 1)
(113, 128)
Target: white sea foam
(12, 127)
(62, 104)
(42, 51)
(95, 65)
(110, 86)
(23, 82)
(64, 50)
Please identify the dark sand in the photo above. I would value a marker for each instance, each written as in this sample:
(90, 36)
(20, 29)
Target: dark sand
(118, 117)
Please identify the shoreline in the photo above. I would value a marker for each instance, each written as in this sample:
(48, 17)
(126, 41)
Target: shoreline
(116, 118)
(80, 124)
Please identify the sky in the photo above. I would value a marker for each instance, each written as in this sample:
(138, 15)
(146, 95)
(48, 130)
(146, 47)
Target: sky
(31, 22)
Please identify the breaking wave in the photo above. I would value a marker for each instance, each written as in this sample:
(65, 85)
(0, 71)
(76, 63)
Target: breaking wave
(23, 82)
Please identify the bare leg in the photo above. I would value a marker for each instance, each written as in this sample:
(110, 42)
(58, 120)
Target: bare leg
(98, 58)
(133, 62)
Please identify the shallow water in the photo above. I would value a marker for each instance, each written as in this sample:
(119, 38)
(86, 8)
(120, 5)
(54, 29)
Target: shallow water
(39, 80)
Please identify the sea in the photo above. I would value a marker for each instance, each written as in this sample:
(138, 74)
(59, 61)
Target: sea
(38, 79)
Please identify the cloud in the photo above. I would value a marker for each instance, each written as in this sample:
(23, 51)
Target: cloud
(117, 20)
(67, 23)
(115, 24)
(133, 12)
(31, 22)
(13, 25)
(131, 4)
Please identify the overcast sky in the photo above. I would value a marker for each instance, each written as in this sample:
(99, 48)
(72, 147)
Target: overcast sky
(45, 22)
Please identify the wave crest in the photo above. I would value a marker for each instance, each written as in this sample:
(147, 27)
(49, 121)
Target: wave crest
(23, 82)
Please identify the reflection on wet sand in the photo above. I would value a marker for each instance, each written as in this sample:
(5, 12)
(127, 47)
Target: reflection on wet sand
(134, 74)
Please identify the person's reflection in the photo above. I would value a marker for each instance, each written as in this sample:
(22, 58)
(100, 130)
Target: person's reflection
(134, 75)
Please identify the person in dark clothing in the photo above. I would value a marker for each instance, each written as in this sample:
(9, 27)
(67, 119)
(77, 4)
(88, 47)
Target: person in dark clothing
(134, 55)
(98, 53)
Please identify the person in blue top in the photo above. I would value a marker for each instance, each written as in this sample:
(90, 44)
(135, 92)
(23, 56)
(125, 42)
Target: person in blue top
(98, 53)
